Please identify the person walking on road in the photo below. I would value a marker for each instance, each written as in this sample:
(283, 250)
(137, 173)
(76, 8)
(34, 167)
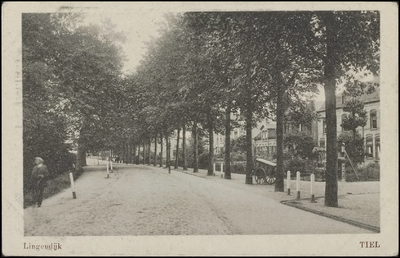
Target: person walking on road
(38, 179)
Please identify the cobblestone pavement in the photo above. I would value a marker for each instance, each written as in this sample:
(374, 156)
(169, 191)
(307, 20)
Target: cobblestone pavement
(147, 200)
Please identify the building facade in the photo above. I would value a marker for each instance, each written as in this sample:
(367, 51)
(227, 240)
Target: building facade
(370, 132)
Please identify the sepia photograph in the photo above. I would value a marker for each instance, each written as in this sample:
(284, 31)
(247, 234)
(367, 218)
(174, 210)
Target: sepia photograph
(200, 129)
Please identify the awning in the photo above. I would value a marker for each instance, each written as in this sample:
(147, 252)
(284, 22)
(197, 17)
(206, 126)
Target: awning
(266, 162)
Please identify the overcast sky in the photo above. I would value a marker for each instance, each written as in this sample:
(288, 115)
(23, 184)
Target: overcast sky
(138, 27)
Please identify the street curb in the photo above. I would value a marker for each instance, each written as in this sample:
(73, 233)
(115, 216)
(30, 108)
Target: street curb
(197, 174)
(321, 213)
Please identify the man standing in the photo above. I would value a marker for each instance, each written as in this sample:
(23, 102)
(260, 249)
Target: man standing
(39, 176)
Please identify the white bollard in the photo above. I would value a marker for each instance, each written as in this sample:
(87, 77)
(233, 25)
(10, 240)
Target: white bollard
(111, 165)
(312, 179)
(298, 184)
(222, 167)
(71, 178)
(288, 182)
(108, 171)
(214, 168)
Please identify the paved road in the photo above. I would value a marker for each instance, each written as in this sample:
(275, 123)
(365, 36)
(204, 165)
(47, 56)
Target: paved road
(144, 200)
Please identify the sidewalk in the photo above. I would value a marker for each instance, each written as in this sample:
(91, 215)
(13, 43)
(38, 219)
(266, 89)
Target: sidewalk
(359, 202)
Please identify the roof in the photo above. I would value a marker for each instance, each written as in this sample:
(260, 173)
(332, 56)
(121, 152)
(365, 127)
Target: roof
(258, 137)
(266, 162)
(366, 98)
(271, 134)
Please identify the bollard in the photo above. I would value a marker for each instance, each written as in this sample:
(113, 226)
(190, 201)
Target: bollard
(288, 182)
(71, 177)
(111, 165)
(108, 171)
(312, 179)
(214, 168)
(298, 184)
(222, 167)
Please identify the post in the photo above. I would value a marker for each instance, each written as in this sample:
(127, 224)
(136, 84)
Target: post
(288, 182)
(222, 167)
(298, 184)
(108, 171)
(71, 178)
(111, 165)
(312, 179)
(214, 168)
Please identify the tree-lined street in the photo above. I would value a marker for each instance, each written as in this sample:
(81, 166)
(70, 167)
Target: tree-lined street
(146, 200)
(206, 73)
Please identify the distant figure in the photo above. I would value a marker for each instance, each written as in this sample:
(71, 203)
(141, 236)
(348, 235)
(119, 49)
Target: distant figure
(38, 180)
(117, 159)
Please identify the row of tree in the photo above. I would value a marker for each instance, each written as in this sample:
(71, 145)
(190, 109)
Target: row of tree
(205, 66)
(71, 80)
(261, 64)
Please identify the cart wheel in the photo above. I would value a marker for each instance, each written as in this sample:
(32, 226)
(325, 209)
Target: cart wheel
(270, 180)
(260, 176)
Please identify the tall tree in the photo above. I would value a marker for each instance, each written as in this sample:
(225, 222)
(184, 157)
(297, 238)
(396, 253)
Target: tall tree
(351, 42)
(184, 156)
(177, 148)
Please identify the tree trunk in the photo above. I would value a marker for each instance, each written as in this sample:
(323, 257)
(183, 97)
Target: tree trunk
(138, 154)
(184, 158)
(280, 110)
(167, 164)
(162, 148)
(331, 185)
(144, 152)
(210, 171)
(126, 152)
(131, 159)
(155, 150)
(134, 153)
(196, 150)
(249, 146)
(177, 149)
(227, 174)
(83, 158)
(123, 151)
(149, 152)
(78, 164)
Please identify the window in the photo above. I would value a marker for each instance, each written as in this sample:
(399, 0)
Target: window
(377, 146)
(373, 119)
(343, 99)
(322, 142)
(324, 125)
(343, 118)
(370, 146)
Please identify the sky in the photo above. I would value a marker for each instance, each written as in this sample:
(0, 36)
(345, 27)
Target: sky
(138, 28)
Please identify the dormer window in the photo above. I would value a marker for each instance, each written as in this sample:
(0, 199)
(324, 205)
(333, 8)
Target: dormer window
(373, 119)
